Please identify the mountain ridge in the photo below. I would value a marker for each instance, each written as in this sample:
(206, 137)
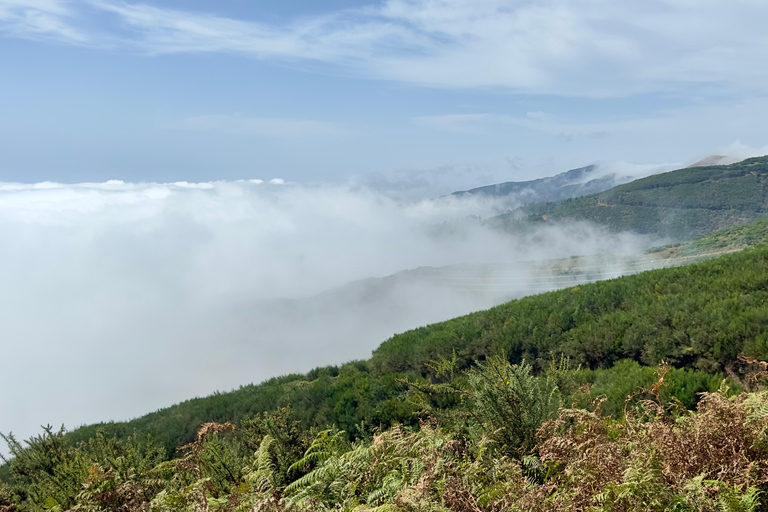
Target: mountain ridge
(678, 205)
(572, 183)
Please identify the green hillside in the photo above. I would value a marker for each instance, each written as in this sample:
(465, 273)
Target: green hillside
(680, 205)
(700, 316)
(495, 439)
(466, 415)
(725, 240)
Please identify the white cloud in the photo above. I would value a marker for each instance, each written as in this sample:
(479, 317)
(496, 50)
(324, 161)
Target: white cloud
(539, 121)
(705, 126)
(571, 47)
(246, 125)
(40, 19)
(539, 116)
(737, 151)
(421, 183)
(125, 297)
(465, 123)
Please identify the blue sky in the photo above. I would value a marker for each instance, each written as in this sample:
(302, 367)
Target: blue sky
(92, 90)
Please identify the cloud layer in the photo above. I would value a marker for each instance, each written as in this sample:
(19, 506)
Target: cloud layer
(118, 298)
(571, 47)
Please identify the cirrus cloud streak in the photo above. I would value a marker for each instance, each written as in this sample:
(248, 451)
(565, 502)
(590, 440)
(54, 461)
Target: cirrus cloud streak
(567, 47)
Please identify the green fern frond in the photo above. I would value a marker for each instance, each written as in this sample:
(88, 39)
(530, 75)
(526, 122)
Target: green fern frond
(757, 406)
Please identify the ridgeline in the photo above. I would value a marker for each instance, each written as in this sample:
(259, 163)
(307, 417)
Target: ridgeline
(679, 205)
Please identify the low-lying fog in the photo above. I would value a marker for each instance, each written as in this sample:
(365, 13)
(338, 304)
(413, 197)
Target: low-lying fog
(117, 299)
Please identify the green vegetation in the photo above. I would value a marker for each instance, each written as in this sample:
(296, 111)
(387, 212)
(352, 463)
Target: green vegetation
(726, 240)
(699, 316)
(573, 183)
(605, 396)
(681, 205)
(437, 420)
(494, 438)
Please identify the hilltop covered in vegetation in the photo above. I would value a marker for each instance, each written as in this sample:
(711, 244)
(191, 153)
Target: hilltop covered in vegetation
(679, 205)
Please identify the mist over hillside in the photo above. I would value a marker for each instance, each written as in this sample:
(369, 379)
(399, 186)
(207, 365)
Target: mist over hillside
(679, 205)
(223, 283)
(232, 282)
(573, 183)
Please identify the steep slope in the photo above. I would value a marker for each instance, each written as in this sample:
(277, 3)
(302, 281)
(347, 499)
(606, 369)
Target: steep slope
(678, 205)
(700, 316)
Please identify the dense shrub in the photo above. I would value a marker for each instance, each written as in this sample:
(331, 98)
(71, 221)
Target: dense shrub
(656, 457)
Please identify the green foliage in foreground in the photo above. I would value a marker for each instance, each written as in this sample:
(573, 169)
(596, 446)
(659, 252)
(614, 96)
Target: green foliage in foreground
(700, 316)
(509, 442)
(681, 205)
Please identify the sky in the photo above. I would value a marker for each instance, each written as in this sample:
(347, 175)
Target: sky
(179, 180)
(92, 90)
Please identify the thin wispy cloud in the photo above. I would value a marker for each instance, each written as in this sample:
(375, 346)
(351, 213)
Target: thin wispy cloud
(50, 20)
(336, 37)
(681, 121)
(540, 121)
(261, 126)
(570, 47)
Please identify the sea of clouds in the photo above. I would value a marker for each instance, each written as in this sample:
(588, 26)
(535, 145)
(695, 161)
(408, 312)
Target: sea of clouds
(120, 298)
